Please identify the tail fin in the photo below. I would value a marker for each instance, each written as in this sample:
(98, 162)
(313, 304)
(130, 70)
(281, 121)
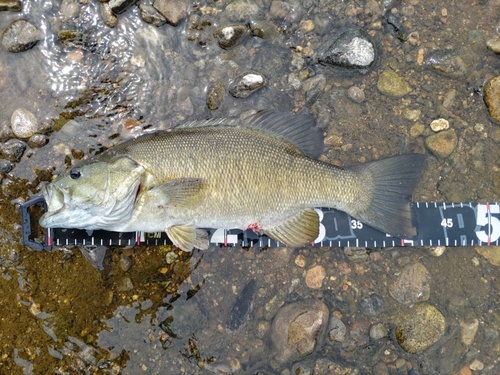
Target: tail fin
(392, 183)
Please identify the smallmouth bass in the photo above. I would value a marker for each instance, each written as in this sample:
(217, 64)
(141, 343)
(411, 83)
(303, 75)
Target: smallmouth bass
(260, 173)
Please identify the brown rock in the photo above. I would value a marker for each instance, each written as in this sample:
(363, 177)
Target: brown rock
(315, 276)
(492, 97)
(412, 285)
(172, 10)
(443, 143)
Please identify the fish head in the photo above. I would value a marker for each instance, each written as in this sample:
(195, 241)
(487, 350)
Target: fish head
(97, 195)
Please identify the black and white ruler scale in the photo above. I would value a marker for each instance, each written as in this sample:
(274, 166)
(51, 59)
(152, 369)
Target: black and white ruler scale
(438, 224)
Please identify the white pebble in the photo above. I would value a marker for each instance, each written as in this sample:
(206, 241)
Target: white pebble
(23, 123)
(440, 124)
(437, 251)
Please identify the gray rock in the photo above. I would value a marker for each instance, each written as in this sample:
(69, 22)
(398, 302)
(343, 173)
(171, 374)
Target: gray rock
(314, 87)
(412, 285)
(336, 330)
(69, 8)
(184, 320)
(215, 95)
(246, 84)
(125, 285)
(20, 36)
(372, 305)
(379, 331)
(298, 328)
(356, 94)
(391, 84)
(23, 123)
(119, 6)
(38, 140)
(241, 308)
(229, 35)
(150, 15)
(443, 143)
(448, 63)
(419, 328)
(125, 262)
(12, 150)
(493, 44)
(10, 5)
(173, 10)
(289, 11)
(242, 11)
(5, 166)
(352, 48)
(108, 15)
(5, 131)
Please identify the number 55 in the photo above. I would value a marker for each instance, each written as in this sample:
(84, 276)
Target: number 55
(483, 217)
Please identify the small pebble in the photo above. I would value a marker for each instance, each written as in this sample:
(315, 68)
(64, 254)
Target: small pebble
(493, 44)
(306, 25)
(476, 365)
(300, 260)
(417, 129)
(440, 124)
(23, 123)
(315, 276)
(379, 331)
(372, 305)
(437, 251)
(125, 262)
(443, 143)
(38, 140)
(356, 94)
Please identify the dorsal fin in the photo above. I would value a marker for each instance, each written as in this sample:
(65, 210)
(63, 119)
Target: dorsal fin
(300, 130)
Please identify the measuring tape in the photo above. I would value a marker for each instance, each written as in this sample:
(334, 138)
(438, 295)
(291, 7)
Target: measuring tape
(438, 224)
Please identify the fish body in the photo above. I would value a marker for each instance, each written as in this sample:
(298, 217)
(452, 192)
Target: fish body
(261, 174)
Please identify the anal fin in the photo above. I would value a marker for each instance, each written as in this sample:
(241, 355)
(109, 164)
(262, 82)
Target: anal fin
(187, 237)
(297, 230)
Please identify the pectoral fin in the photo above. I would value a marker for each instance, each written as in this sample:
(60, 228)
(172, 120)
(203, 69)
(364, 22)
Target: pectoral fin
(181, 192)
(187, 237)
(297, 230)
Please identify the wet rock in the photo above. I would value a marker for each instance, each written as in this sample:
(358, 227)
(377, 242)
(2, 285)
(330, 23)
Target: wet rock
(469, 330)
(5, 131)
(125, 262)
(150, 15)
(300, 260)
(443, 143)
(38, 140)
(448, 63)
(108, 15)
(215, 95)
(440, 124)
(290, 11)
(336, 330)
(69, 8)
(379, 331)
(298, 328)
(372, 305)
(412, 114)
(395, 24)
(119, 6)
(391, 84)
(412, 285)
(417, 129)
(314, 87)
(23, 123)
(492, 97)
(125, 285)
(419, 328)
(230, 35)
(491, 253)
(274, 304)
(356, 94)
(242, 11)
(173, 10)
(12, 150)
(315, 276)
(20, 36)
(437, 251)
(242, 307)
(493, 44)
(10, 5)
(264, 29)
(184, 320)
(352, 48)
(246, 84)
(303, 368)
(5, 166)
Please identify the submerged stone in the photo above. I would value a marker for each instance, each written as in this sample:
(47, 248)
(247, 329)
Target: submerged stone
(492, 97)
(352, 48)
(20, 36)
(391, 84)
(173, 10)
(246, 84)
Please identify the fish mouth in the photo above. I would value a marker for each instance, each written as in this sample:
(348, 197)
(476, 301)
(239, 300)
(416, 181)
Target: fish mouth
(54, 199)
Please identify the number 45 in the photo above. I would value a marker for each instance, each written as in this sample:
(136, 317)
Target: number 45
(483, 217)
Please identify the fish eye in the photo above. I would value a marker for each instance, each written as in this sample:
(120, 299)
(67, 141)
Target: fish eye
(75, 173)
